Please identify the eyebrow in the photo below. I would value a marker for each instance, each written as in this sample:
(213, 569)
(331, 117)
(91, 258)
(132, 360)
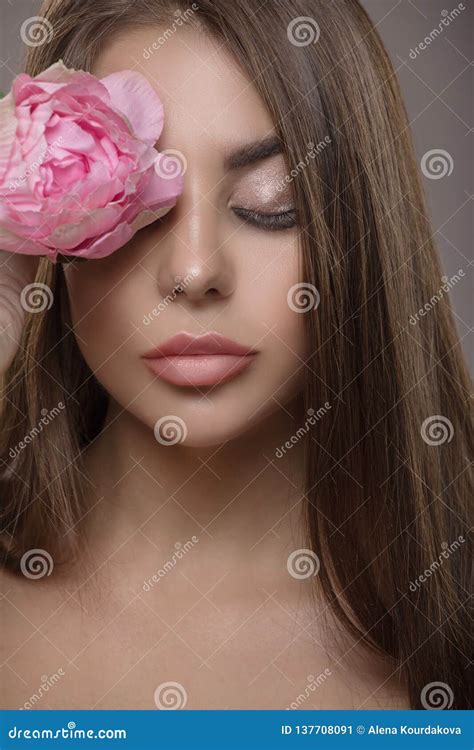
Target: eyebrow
(253, 152)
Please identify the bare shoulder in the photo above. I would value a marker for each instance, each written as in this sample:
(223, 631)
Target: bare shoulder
(24, 607)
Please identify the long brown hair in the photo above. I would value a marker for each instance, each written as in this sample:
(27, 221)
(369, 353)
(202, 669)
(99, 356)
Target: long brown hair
(385, 495)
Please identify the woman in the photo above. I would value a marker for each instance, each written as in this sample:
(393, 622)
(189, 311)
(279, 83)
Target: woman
(239, 492)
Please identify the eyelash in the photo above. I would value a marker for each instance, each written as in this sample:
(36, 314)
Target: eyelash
(283, 220)
(272, 222)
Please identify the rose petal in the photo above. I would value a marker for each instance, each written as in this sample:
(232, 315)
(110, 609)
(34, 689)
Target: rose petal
(132, 95)
(98, 222)
(7, 132)
(158, 191)
(24, 246)
(108, 243)
(77, 163)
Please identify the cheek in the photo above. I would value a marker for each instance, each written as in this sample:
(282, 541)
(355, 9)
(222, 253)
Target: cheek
(107, 317)
(269, 297)
(106, 314)
(108, 307)
(108, 299)
(278, 328)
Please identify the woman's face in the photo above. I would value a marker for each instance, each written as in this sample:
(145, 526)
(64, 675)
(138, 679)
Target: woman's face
(235, 274)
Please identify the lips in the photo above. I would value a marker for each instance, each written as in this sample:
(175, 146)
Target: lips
(187, 360)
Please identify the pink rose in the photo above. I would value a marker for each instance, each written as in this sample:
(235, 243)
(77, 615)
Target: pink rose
(79, 174)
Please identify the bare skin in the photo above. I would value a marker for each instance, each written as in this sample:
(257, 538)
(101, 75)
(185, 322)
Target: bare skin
(185, 576)
(225, 620)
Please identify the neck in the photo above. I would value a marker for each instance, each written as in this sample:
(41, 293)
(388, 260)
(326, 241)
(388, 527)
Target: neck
(238, 495)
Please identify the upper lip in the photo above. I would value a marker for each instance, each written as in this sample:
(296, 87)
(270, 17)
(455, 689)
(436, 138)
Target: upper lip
(186, 344)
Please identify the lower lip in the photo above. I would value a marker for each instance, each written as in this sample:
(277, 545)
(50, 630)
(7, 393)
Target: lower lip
(199, 369)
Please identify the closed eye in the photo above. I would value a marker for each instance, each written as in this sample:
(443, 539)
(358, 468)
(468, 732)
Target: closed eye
(282, 220)
(272, 222)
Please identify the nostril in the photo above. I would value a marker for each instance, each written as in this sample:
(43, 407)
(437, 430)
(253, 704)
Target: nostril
(212, 292)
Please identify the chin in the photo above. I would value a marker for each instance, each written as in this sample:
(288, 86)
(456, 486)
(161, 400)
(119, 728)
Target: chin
(198, 431)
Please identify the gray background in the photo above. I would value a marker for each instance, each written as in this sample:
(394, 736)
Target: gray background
(437, 86)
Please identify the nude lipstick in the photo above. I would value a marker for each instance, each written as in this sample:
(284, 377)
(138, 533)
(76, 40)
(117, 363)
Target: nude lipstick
(187, 360)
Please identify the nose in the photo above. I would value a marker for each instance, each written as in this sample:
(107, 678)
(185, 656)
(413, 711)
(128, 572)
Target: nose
(193, 259)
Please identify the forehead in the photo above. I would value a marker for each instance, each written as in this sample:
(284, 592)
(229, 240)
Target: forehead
(206, 97)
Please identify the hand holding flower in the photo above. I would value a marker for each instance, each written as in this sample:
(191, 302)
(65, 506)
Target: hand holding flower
(79, 174)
